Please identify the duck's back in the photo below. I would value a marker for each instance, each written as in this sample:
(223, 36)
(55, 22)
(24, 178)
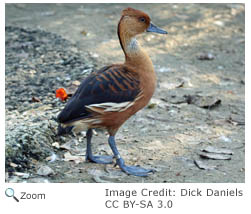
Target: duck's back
(109, 88)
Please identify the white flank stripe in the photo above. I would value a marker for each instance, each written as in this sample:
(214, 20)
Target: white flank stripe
(110, 107)
(119, 107)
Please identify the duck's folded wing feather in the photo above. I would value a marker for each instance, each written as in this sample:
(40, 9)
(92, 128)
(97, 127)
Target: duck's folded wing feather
(112, 88)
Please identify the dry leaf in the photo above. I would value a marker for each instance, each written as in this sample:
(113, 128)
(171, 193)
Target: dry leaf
(22, 174)
(35, 99)
(215, 156)
(172, 85)
(52, 158)
(208, 102)
(69, 145)
(202, 165)
(77, 159)
(211, 149)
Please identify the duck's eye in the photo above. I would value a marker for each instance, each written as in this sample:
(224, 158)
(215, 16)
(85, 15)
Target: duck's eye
(142, 19)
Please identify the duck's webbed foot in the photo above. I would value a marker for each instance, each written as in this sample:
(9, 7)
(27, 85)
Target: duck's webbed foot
(100, 159)
(131, 170)
(96, 159)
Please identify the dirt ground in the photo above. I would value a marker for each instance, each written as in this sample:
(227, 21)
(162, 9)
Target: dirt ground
(193, 130)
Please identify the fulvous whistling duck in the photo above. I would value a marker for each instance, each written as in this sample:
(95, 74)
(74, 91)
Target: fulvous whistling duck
(109, 96)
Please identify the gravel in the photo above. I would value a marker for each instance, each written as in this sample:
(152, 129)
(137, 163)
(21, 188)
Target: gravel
(37, 63)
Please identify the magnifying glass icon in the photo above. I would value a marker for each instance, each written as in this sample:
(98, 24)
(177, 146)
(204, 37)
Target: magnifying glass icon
(9, 192)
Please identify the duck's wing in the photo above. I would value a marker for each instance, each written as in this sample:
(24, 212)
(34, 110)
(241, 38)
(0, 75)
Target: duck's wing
(112, 88)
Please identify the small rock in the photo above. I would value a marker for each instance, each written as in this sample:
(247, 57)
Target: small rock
(13, 165)
(225, 139)
(52, 158)
(84, 33)
(83, 133)
(45, 171)
(94, 132)
(67, 78)
(206, 56)
(38, 180)
(56, 145)
(22, 175)
(95, 55)
(76, 82)
(220, 67)
(47, 13)
(219, 23)
(164, 69)
(69, 145)
(152, 105)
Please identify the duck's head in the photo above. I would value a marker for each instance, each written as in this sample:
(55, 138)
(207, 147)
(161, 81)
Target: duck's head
(134, 22)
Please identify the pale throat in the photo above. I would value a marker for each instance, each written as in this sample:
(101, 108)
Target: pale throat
(135, 53)
(132, 46)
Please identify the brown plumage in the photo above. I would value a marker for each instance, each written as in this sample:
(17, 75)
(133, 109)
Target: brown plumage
(108, 97)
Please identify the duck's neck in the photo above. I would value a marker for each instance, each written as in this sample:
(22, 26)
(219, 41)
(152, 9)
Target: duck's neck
(134, 53)
(138, 59)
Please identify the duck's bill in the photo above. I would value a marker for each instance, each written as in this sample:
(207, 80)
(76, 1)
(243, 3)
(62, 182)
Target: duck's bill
(155, 29)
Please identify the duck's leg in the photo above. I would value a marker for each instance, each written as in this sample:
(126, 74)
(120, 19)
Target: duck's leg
(132, 170)
(90, 156)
